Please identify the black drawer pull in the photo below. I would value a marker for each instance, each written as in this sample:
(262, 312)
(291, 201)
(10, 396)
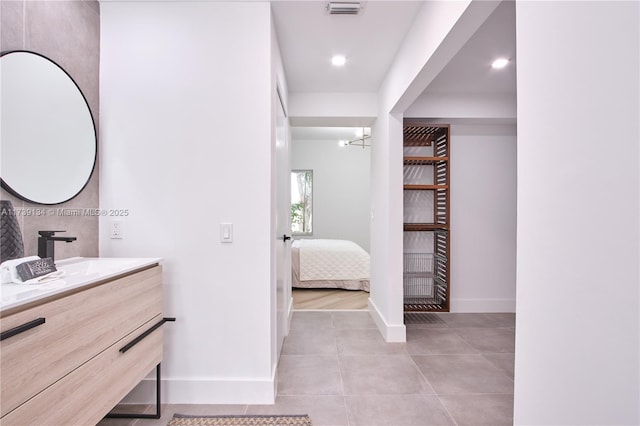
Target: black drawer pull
(21, 328)
(145, 334)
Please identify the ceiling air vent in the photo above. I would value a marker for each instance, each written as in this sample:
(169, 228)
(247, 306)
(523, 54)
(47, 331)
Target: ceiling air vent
(343, 8)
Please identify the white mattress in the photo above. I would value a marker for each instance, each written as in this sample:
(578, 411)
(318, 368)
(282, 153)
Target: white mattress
(332, 260)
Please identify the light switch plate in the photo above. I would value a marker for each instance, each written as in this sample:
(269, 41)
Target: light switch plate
(226, 232)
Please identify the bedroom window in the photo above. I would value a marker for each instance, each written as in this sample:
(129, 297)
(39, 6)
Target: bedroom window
(301, 202)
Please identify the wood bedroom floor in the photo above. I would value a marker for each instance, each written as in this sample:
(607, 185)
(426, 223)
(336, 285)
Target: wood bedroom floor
(322, 298)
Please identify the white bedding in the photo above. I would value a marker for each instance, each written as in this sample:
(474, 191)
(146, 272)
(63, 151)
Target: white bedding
(330, 263)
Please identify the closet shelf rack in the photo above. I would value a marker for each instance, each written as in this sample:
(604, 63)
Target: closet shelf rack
(425, 226)
(426, 160)
(425, 187)
(417, 134)
(423, 161)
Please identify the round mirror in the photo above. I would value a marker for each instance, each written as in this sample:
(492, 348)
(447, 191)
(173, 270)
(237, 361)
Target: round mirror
(48, 138)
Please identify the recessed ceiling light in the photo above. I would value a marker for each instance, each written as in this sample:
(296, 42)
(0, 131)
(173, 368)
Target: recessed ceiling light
(500, 63)
(338, 60)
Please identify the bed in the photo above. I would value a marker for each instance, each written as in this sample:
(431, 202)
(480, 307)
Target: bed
(319, 263)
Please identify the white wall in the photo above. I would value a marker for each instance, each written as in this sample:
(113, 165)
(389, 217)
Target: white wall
(333, 109)
(483, 218)
(578, 326)
(341, 188)
(440, 29)
(432, 24)
(464, 105)
(186, 134)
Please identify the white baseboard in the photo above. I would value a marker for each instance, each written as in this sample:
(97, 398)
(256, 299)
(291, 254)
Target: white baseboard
(289, 317)
(483, 305)
(194, 391)
(208, 391)
(390, 333)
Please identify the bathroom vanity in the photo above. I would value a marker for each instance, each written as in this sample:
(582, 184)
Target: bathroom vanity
(71, 349)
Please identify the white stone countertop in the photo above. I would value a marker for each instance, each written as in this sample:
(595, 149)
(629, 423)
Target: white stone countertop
(78, 272)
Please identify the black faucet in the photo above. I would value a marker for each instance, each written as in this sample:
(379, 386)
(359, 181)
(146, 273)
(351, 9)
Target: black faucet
(46, 240)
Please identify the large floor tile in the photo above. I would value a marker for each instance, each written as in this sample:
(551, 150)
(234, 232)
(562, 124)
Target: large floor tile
(117, 422)
(423, 341)
(395, 410)
(205, 409)
(310, 320)
(501, 319)
(478, 410)
(352, 319)
(336, 367)
(423, 320)
(490, 340)
(324, 410)
(366, 342)
(455, 374)
(382, 375)
(300, 341)
(309, 375)
(469, 319)
(127, 409)
(504, 362)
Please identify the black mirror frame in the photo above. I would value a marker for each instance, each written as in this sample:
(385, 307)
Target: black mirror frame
(6, 186)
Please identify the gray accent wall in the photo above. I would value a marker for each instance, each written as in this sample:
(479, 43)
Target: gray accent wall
(68, 32)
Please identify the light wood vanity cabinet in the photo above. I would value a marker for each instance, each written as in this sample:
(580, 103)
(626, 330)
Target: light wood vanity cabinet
(70, 370)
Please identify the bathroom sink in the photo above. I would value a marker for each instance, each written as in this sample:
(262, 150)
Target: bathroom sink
(78, 272)
(82, 266)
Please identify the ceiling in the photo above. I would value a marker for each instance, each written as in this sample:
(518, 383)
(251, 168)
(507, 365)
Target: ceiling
(470, 70)
(308, 37)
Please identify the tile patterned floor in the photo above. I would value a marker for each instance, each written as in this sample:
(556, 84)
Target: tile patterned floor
(455, 369)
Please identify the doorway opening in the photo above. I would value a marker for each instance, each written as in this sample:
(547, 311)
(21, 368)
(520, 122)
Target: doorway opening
(330, 215)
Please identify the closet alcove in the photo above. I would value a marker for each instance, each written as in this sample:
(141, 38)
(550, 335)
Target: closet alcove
(426, 252)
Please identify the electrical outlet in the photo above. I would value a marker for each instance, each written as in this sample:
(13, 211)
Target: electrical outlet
(116, 229)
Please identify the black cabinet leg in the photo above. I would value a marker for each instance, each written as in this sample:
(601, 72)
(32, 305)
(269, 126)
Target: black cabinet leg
(142, 415)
